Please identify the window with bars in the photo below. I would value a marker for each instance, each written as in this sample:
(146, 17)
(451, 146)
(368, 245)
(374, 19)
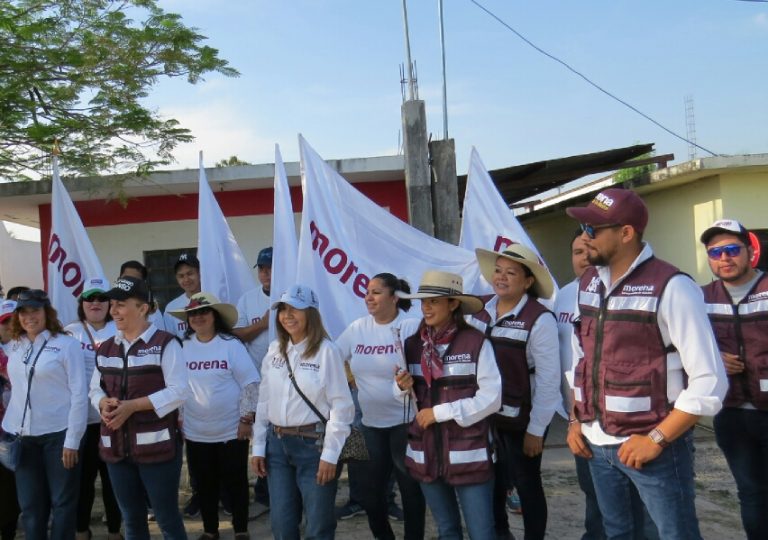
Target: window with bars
(162, 278)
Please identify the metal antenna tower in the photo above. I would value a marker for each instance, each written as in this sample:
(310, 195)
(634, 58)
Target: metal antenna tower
(690, 126)
(410, 76)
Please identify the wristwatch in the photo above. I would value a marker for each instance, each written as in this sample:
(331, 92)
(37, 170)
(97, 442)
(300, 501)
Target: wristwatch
(658, 437)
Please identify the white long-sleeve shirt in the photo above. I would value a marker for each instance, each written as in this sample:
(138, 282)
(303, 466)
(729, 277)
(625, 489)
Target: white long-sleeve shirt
(683, 322)
(321, 378)
(175, 326)
(58, 398)
(174, 370)
(542, 354)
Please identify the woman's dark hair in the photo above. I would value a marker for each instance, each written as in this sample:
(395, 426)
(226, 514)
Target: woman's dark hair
(81, 311)
(134, 265)
(315, 332)
(394, 283)
(219, 326)
(52, 323)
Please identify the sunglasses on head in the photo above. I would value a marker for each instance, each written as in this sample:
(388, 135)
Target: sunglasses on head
(731, 250)
(34, 294)
(591, 230)
(96, 298)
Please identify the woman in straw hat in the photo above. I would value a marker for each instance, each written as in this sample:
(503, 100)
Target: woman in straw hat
(524, 337)
(457, 385)
(219, 414)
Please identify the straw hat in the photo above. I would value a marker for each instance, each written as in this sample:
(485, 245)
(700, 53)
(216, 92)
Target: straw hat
(543, 285)
(436, 284)
(202, 300)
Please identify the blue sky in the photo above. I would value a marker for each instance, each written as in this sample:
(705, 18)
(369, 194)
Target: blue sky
(329, 70)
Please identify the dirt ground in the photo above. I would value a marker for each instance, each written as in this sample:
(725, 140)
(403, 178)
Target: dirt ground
(716, 501)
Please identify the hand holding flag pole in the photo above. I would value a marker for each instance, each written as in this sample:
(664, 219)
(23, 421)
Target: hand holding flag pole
(402, 375)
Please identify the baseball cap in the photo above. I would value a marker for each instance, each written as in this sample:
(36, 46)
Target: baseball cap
(727, 226)
(613, 206)
(300, 297)
(34, 298)
(129, 287)
(6, 310)
(94, 285)
(265, 257)
(188, 259)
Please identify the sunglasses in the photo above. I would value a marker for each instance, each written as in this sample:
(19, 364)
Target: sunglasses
(96, 298)
(34, 294)
(591, 230)
(731, 250)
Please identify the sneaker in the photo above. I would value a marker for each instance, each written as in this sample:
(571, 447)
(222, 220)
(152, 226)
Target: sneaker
(349, 510)
(513, 503)
(395, 512)
(192, 509)
(151, 515)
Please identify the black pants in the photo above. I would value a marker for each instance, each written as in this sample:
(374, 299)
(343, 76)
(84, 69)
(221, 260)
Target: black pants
(91, 466)
(515, 469)
(9, 504)
(386, 447)
(220, 465)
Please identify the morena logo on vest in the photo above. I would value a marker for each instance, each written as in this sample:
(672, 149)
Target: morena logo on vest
(638, 289)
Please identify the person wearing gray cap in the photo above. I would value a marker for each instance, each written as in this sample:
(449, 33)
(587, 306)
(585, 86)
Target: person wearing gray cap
(647, 369)
(737, 304)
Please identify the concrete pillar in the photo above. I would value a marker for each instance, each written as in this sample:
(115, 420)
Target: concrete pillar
(417, 173)
(445, 191)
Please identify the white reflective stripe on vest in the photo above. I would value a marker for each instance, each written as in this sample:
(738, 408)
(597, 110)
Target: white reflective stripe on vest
(764, 385)
(577, 394)
(510, 333)
(589, 299)
(512, 412)
(459, 369)
(153, 437)
(468, 456)
(753, 307)
(415, 370)
(106, 442)
(719, 309)
(627, 404)
(416, 456)
(133, 361)
(634, 303)
(480, 325)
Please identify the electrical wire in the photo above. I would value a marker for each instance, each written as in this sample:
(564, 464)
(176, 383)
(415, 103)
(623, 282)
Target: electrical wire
(590, 81)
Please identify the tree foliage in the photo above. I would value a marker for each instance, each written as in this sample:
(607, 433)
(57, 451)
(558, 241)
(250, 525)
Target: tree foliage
(79, 71)
(231, 161)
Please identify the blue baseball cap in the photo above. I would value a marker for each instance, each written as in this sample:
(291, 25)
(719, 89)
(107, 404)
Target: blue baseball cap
(265, 257)
(300, 297)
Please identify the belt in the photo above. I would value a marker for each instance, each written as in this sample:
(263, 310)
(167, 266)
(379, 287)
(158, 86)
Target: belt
(307, 430)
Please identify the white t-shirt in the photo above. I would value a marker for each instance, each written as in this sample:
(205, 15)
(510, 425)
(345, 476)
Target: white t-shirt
(217, 372)
(564, 312)
(156, 318)
(251, 308)
(370, 349)
(77, 331)
(175, 326)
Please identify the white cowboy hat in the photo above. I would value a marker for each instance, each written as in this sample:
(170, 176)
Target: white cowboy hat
(436, 284)
(543, 286)
(202, 300)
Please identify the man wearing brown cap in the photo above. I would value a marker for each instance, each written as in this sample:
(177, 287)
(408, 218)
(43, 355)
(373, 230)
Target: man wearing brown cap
(737, 305)
(648, 369)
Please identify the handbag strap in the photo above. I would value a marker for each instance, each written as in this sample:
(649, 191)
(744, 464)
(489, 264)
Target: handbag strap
(90, 336)
(306, 400)
(29, 382)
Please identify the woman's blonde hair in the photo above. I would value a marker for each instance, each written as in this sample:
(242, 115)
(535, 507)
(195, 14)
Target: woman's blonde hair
(315, 332)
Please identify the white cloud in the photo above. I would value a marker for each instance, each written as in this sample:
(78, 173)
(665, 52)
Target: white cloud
(761, 19)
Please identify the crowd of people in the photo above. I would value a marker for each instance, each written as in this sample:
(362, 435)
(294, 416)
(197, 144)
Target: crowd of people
(454, 406)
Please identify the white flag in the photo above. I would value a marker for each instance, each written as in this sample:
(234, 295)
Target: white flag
(346, 239)
(71, 257)
(223, 269)
(284, 242)
(487, 222)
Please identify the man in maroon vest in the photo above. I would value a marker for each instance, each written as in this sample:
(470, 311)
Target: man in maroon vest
(642, 335)
(737, 305)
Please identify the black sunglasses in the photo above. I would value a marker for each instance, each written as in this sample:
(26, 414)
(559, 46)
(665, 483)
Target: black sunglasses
(97, 298)
(591, 230)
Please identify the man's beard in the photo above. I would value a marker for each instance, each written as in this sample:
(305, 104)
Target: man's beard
(596, 259)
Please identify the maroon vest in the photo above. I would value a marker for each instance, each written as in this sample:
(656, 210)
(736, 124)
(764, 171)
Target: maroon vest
(458, 455)
(136, 373)
(509, 337)
(742, 330)
(622, 379)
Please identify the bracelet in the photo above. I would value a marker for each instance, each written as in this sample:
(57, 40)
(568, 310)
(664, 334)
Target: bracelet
(246, 420)
(573, 421)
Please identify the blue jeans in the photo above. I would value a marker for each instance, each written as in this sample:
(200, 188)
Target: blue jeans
(161, 482)
(476, 501)
(742, 435)
(46, 488)
(665, 485)
(292, 468)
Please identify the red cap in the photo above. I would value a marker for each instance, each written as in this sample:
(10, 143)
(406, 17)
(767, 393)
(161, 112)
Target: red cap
(613, 206)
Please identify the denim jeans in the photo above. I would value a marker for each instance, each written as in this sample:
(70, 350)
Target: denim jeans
(386, 448)
(161, 482)
(92, 465)
(742, 435)
(515, 469)
(476, 502)
(292, 468)
(665, 485)
(46, 488)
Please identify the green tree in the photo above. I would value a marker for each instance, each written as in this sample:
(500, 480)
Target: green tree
(231, 161)
(79, 71)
